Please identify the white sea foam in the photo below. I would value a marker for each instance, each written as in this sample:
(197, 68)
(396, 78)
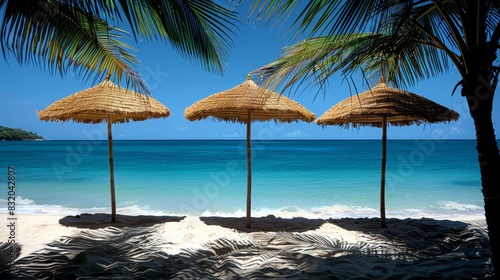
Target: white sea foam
(452, 205)
(18, 201)
(444, 210)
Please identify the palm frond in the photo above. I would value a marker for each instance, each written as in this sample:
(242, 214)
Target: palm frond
(327, 17)
(198, 30)
(412, 41)
(403, 60)
(77, 35)
(58, 37)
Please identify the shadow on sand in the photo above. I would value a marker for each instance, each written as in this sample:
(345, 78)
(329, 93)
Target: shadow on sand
(135, 248)
(101, 220)
(268, 223)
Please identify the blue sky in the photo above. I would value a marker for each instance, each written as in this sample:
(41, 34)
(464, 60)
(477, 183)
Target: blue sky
(177, 83)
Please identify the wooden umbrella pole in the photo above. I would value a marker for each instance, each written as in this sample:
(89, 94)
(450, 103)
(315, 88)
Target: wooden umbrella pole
(382, 178)
(249, 171)
(111, 171)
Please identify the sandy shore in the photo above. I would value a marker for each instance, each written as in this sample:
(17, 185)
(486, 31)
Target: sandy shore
(153, 247)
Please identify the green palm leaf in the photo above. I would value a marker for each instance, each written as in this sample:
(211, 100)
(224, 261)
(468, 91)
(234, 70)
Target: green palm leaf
(58, 37)
(200, 30)
(78, 35)
(405, 41)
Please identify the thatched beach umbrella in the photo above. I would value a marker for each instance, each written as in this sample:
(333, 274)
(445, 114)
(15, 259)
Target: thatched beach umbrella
(384, 105)
(105, 102)
(248, 103)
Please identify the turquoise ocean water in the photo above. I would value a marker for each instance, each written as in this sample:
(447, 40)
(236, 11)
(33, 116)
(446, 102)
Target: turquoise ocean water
(308, 178)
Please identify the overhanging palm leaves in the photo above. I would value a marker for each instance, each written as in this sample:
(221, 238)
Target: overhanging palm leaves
(404, 40)
(65, 38)
(313, 61)
(78, 35)
(200, 30)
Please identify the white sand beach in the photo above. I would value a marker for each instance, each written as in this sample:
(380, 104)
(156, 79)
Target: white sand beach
(157, 247)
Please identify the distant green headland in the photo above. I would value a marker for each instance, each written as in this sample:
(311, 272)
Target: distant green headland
(7, 133)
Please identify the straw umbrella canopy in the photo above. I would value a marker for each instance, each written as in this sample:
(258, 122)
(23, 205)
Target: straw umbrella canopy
(384, 105)
(247, 103)
(105, 102)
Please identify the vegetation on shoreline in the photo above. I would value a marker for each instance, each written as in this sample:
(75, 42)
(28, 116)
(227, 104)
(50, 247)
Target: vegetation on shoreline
(7, 133)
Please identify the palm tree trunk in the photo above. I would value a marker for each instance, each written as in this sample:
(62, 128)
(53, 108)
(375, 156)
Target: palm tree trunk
(480, 106)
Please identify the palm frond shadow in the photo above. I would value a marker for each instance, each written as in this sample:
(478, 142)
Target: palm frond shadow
(422, 244)
(111, 252)
(140, 253)
(9, 252)
(424, 237)
(308, 255)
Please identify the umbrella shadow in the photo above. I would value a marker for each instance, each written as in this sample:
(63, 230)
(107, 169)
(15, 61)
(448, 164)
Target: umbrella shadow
(102, 220)
(268, 223)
